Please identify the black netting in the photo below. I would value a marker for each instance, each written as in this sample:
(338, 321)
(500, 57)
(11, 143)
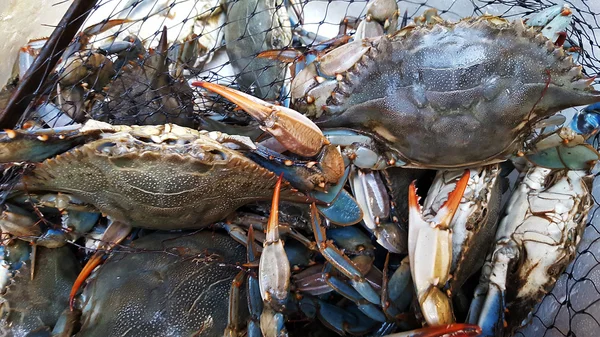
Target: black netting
(116, 70)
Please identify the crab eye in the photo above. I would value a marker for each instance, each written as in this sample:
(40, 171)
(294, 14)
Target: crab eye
(218, 155)
(105, 147)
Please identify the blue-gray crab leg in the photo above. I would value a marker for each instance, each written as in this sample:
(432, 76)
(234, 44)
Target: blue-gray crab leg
(343, 211)
(341, 262)
(344, 289)
(396, 292)
(255, 304)
(344, 321)
(274, 270)
(115, 233)
(360, 150)
(566, 147)
(233, 329)
(555, 20)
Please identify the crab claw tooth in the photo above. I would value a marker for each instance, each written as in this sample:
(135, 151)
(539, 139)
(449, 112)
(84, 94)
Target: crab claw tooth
(115, 233)
(446, 213)
(293, 130)
(452, 330)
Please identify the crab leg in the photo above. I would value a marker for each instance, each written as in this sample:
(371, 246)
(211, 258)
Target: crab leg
(566, 148)
(456, 330)
(115, 233)
(233, 329)
(342, 263)
(312, 281)
(340, 286)
(255, 305)
(396, 293)
(430, 243)
(372, 197)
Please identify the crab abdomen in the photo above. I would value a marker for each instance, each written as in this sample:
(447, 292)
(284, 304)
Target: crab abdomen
(459, 94)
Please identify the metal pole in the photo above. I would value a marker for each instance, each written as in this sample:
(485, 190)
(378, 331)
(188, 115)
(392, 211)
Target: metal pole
(43, 65)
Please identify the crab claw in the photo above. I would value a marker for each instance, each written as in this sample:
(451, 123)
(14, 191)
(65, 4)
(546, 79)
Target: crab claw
(452, 330)
(430, 243)
(293, 130)
(115, 233)
(274, 271)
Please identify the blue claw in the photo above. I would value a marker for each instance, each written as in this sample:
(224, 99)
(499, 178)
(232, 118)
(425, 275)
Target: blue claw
(344, 211)
(342, 263)
(369, 309)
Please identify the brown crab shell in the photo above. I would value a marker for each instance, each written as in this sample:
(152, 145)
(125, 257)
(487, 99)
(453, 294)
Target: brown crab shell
(185, 184)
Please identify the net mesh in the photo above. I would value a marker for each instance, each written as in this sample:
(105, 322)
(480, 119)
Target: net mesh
(116, 70)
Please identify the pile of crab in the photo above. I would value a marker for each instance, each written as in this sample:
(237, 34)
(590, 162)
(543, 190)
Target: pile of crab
(327, 232)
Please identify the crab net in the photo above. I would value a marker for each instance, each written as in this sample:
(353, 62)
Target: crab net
(129, 78)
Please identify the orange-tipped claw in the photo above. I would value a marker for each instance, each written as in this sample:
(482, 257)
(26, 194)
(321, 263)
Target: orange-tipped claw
(450, 330)
(255, 107)
(273, 224)
(274, 270)
(446, 213)
(114, 234)
(94, 262)
(448, 209)
(293, 130)
(413, 197)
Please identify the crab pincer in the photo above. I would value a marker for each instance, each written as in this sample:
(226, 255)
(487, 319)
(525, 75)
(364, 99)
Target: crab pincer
(274, 270)
(292, 129)
(430, 253)
(115, 233)
(274, 273)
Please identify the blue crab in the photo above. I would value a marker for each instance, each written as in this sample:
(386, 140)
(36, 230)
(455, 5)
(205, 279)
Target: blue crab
(33, 302)
(172, 284)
